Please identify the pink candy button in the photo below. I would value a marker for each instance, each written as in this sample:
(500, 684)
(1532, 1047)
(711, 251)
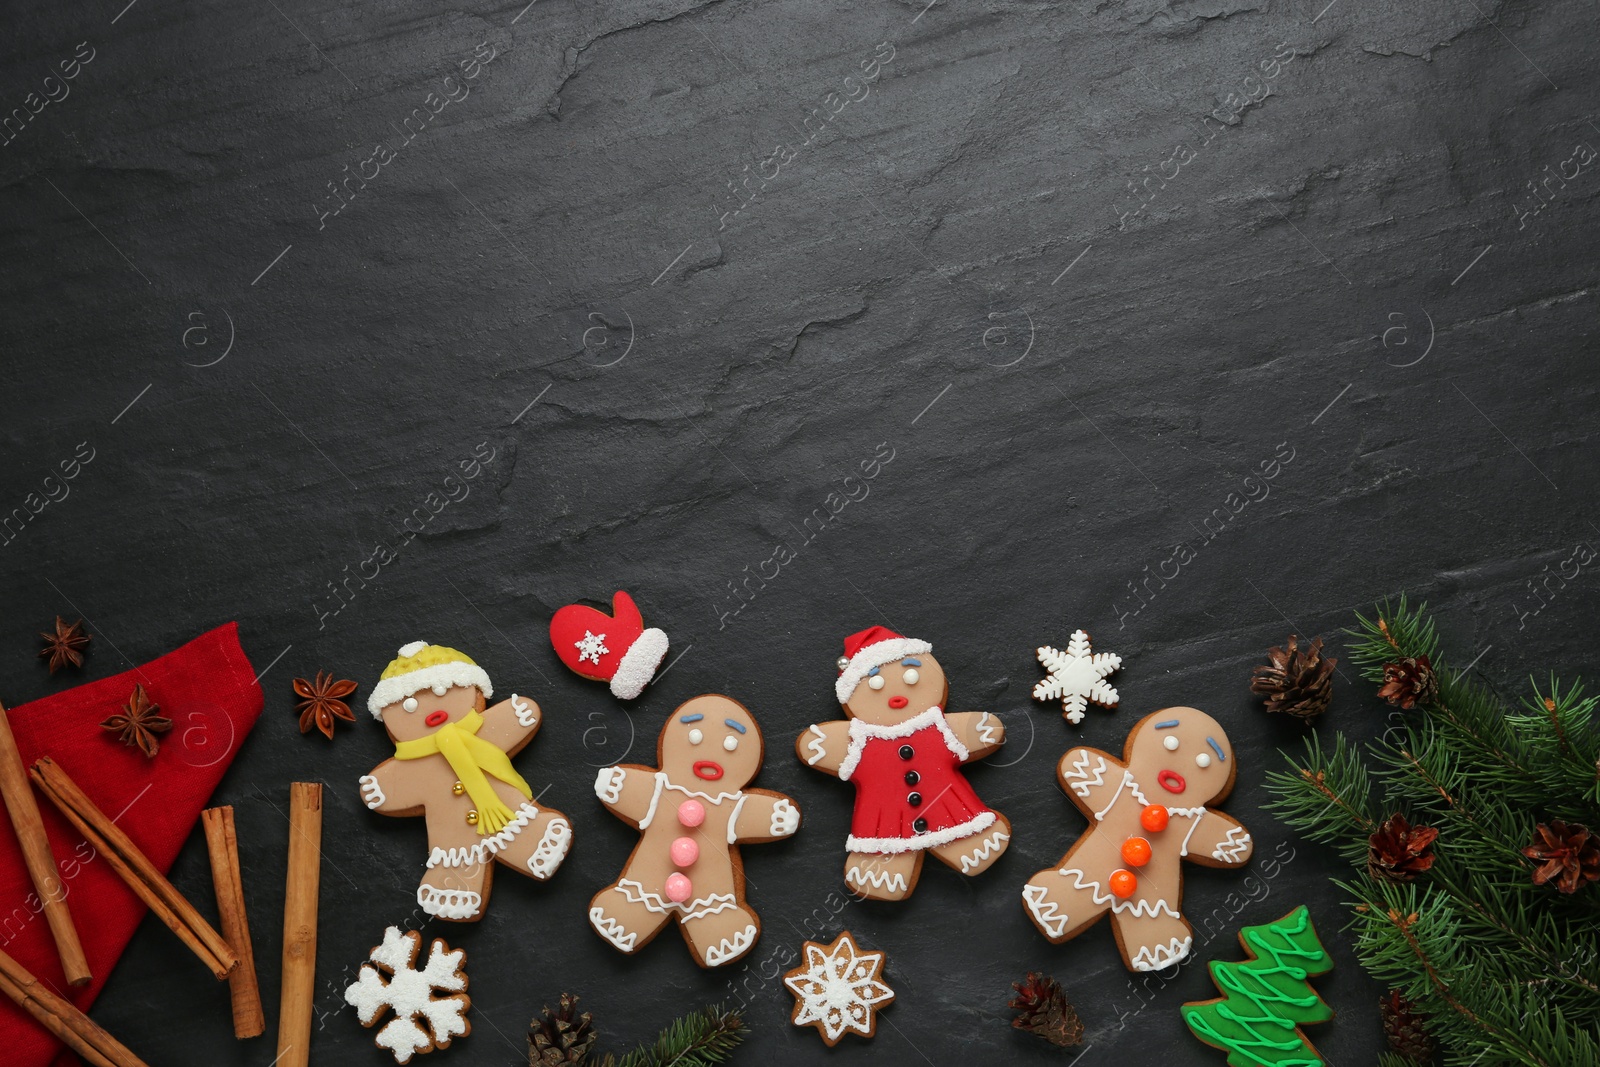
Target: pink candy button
(691, 813)
(678, 888)
(684, 851)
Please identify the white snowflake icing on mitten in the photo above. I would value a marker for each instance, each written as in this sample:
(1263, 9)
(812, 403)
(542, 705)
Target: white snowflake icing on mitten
(1077, 676)
(410, 993)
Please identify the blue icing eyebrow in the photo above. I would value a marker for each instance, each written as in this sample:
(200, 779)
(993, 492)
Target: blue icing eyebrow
(1169, 724)
(909, 662)
(736, 726)
(1217, 749)
(872, 672)
(690, 718)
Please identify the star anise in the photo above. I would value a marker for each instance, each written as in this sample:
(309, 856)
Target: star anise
(1568, 855)
(320, 703)
(65, 645)
(1399, 852)
(138, 723)
(1410, 681)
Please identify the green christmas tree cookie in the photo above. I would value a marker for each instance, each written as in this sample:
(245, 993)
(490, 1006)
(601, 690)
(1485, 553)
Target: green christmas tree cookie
(1266, 999)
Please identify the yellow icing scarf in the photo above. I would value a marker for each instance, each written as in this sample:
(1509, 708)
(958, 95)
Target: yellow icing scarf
(470, 756)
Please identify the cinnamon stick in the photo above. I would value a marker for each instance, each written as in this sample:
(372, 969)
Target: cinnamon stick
(134, 868)
(75, 1029)
(41, 862)
(223, 845)
(300, 925)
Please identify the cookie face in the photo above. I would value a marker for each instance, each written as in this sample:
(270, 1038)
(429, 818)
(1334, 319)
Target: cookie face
(426, 710)
(1185, 753)
(894, 692)
(711, 739)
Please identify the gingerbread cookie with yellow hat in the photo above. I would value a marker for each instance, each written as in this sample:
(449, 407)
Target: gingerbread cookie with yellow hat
(452, 765)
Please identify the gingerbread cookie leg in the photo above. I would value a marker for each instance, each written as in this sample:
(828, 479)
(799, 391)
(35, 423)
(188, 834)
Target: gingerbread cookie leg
(882, 875)
(627, 919)
(707, 930)
(1153, 942)
(1061, 905)
(976, 854)
(455, 893)
(541, 845)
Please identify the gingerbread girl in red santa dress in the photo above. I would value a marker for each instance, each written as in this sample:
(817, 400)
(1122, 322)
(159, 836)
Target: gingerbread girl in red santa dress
(904, 755)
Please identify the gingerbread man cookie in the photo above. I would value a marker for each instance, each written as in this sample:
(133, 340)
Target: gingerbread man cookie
(1147, 815)
(692, 810)
(452, 764)
(904, 755)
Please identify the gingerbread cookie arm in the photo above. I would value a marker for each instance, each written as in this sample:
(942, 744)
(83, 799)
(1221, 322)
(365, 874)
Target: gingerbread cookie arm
(512, 723)
(1219, 840)
(822, 746)
(629, 791)
(762, 815)
(979, 731)
(390, 790)
(1092, 779)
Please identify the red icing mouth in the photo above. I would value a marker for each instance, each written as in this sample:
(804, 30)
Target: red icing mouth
(898, 702)
(437, 718)
(707, 769)
(1171, 781)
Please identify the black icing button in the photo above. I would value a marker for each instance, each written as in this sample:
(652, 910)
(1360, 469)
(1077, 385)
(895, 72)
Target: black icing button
(912, 778)
(914, 799)
(920, 826)
(906, 752)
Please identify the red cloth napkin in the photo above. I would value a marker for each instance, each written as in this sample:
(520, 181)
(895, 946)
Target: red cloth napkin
(208, 689)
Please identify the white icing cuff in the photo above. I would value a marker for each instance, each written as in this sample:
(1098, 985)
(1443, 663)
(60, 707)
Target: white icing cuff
(608, 783)
(981, 821)
(371, 792)
(487, 848)
(639, 664)
(612, 930)
(551, 849)
(876, 655)
(785, 819)
(455, 673)
(731, 948)
(456, 904)
(526, 711)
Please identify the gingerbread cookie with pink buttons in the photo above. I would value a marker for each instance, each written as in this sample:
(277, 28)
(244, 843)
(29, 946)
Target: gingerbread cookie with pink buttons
(1148, 815)
(904, 756)
(693, 810)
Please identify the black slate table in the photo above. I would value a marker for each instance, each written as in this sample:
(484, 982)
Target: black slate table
(1079, 270)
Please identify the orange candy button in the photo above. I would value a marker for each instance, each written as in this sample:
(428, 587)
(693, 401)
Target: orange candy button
(1136, 852)
(1123, 883)
(1154, 818)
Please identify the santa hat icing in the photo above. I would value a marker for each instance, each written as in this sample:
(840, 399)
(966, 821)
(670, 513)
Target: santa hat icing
(872, 647)
(423, 666)
(613, 648)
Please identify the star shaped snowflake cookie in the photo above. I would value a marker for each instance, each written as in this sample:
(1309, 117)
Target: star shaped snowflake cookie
(422, 1022)
(1077, 677)
(839, 989)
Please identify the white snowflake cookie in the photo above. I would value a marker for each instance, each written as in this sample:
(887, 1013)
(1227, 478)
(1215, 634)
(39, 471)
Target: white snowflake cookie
(422, 1022)
(1077, 677)
(839, 989)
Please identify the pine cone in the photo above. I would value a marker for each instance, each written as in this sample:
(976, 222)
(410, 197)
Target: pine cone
(1409, 682)
(1404, 1028)
(1043, 1009)
(1568, 854)
(562, 1036)
(1399, 852)
(1296, 682)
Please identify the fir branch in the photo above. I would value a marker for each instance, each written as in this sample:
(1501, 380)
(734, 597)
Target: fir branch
(699, 1039)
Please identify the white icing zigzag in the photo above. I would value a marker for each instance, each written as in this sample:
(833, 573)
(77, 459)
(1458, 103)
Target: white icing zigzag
(893, 881)
(486, 848)
(986, 731)
(608, 783)
(551, 849)
(371, 792)
(612, 930)
(1047, 912)
(699, 908)
(1158, 957)
(1236, 844)
(785, 819)
(1136, 908)
(1079, 770)
(815, 746)
(731, 947)
(992, 844)
(527, 714)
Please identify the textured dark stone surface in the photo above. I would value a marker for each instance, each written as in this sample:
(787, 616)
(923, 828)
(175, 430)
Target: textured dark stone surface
(1340, 268)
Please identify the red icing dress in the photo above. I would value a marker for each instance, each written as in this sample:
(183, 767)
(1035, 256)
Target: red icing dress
(910, 792)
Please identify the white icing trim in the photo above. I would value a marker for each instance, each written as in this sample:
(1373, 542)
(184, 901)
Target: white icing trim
(893, 881)
(612, 930)
(718, 799)
(862, 732)
(1127, 780)
(448, 903)
(655, 798)
(371, 792)
(986, 732)
(1160, 957)
(1197, 814)
(979, 822)
(731, 948)
(1079, 769)
(785, 818)
(639, 664)
(635, 893)
(527, 714)
(608, 783)
(486, 848)
(1137, 908)
(733, 819)
(1232, 847)
(876, 655)
(551, 849)
(456, 672)
(1048, 912)
(816, 745)
(994, 844)
(1138, 794)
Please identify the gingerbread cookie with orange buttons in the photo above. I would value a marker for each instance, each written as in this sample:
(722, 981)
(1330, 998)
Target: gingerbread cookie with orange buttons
(1147, 816)
(693, 810)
